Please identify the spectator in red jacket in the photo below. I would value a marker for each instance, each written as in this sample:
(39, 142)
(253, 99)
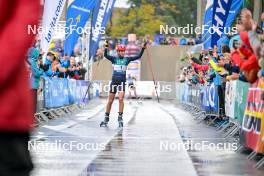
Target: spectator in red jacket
(16, 112)
(245, 58)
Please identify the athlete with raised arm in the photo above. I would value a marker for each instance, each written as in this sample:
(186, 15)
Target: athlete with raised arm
(118, 80)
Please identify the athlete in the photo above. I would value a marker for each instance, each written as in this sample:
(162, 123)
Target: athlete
(118, 82)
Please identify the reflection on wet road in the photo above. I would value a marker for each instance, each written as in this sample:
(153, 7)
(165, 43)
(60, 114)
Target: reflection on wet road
(137, 149)
(145, 147)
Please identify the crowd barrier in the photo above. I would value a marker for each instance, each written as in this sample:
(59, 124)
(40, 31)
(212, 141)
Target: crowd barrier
(244, 107)
(204, 99)
(61, 97)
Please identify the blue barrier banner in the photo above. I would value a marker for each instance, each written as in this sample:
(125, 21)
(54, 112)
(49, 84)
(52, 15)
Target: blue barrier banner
(81, 96)
(56, 92)
(72, 90)
(60, 92)
(96, 89)
(210, 98)
(185, 93)
(101, 14)
(77, 16)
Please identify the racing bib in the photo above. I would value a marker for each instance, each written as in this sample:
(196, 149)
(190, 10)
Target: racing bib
(120, 68)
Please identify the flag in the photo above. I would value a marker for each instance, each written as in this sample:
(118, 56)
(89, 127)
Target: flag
(77, 16)
(235, 8)
(221, 11)
(208, 16)
(219, 16)
(51, 16)
(101, 15)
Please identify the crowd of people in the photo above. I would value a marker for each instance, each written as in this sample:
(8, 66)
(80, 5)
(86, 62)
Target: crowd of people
(54, 65)
(240, 57)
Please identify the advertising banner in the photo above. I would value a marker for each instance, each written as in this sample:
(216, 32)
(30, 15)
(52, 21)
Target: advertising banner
(50, 19)
(194, 95)
(219, 16)
(185, 93)
(252, 133)
(60, 92)
(101, 15)
(210, 98)
(56, 92)
(77, 16)
(80, 92)
(240, 100)
(221, 10)
(230, 94)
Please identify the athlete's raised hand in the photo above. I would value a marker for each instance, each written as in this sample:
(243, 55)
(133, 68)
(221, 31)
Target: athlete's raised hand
(144, 45)
(106, 45)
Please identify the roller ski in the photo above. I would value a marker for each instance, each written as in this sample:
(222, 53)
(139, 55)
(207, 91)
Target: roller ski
(120, 121)
(139, 101)
(105, 122)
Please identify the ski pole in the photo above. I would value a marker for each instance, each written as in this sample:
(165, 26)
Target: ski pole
(152, 73)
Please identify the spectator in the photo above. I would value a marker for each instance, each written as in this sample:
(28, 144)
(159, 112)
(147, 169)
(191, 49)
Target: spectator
(55, 67)
(36, 73)
(16, 108)
(65, 63)
(73, 70)
(82, 71)
(48, 64)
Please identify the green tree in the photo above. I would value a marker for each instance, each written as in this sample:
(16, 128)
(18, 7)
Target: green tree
(173, 12)
(140, 21)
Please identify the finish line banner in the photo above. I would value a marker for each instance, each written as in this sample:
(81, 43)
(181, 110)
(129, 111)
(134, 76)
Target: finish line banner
(252, 133)
(77, 16)
(101, 15)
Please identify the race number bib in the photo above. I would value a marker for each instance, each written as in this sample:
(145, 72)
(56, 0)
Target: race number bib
(120, 68)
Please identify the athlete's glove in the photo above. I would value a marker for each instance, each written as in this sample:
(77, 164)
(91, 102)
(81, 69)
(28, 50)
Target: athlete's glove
(106, 45)
(144, 45)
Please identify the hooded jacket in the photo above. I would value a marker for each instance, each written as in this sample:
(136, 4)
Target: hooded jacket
(16, 105)
(35, 70)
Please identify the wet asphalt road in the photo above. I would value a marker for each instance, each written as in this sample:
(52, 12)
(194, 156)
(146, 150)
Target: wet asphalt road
(146, 145)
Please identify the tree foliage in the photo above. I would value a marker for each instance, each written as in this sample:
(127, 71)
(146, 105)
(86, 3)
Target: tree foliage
(173, 12)
(145, 16)
(140, 21)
